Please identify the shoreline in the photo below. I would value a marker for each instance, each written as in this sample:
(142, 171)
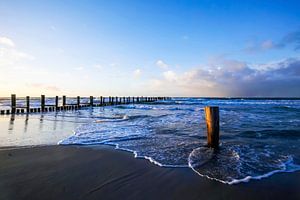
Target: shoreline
(99, 171)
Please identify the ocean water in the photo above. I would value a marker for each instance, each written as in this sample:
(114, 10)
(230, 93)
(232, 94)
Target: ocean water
(258, 137)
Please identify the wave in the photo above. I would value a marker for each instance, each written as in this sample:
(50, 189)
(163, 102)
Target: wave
(237, 175)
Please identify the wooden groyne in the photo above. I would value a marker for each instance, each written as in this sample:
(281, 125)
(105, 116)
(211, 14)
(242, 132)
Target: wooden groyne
(103, 101)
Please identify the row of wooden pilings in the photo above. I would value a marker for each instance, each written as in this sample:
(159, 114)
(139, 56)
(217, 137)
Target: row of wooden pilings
(56, 107)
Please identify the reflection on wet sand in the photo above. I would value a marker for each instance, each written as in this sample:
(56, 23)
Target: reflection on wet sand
(37, 129)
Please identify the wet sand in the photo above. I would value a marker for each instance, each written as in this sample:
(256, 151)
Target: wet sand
(76, 172)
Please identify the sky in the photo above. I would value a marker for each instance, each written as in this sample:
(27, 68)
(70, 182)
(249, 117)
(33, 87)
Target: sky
(150, 48)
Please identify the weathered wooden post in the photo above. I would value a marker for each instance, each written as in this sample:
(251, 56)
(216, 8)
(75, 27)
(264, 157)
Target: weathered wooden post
(56, 102)
(117, 101)
(78, 101)
(64, 101)
(91, 100)
(43, 103)
(27, 104)
(13, 103)
(101, 100)
(212, 124)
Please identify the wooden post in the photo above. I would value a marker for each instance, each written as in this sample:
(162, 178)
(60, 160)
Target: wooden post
(56, 102)
(13, 103)
(64, 100)
(212, 124)
(78, 100)
(27, 104)
(116, 100)
(43, 103)
(101, 100)
(91, 100)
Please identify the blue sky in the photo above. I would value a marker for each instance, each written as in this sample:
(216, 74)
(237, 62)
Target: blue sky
(177, 48)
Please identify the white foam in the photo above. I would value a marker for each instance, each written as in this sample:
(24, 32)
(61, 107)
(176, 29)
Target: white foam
(289, 162)
(135, 153)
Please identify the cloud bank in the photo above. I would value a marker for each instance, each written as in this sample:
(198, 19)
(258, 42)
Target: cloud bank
(234, 78)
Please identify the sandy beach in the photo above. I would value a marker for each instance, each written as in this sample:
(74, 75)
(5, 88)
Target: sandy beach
(100, 172)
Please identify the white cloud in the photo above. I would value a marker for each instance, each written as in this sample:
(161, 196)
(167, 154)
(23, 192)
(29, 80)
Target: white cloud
(7, 42)
(233, 78)
(170, 75)
(162, 64)
(137, 73)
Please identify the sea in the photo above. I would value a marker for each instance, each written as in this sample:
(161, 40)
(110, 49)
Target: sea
(258, 136)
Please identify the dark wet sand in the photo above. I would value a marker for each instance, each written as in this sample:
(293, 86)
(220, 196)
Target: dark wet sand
(72, 172)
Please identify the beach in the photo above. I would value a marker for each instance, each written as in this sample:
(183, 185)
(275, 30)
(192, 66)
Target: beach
(100, 172)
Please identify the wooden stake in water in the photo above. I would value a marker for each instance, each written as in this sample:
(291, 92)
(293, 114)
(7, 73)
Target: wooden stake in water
(43, 103)
(212, 124)
(27, 104)
(91, 100)
(78, 100)
(13, 103)
(56, 102)
(64, 101)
